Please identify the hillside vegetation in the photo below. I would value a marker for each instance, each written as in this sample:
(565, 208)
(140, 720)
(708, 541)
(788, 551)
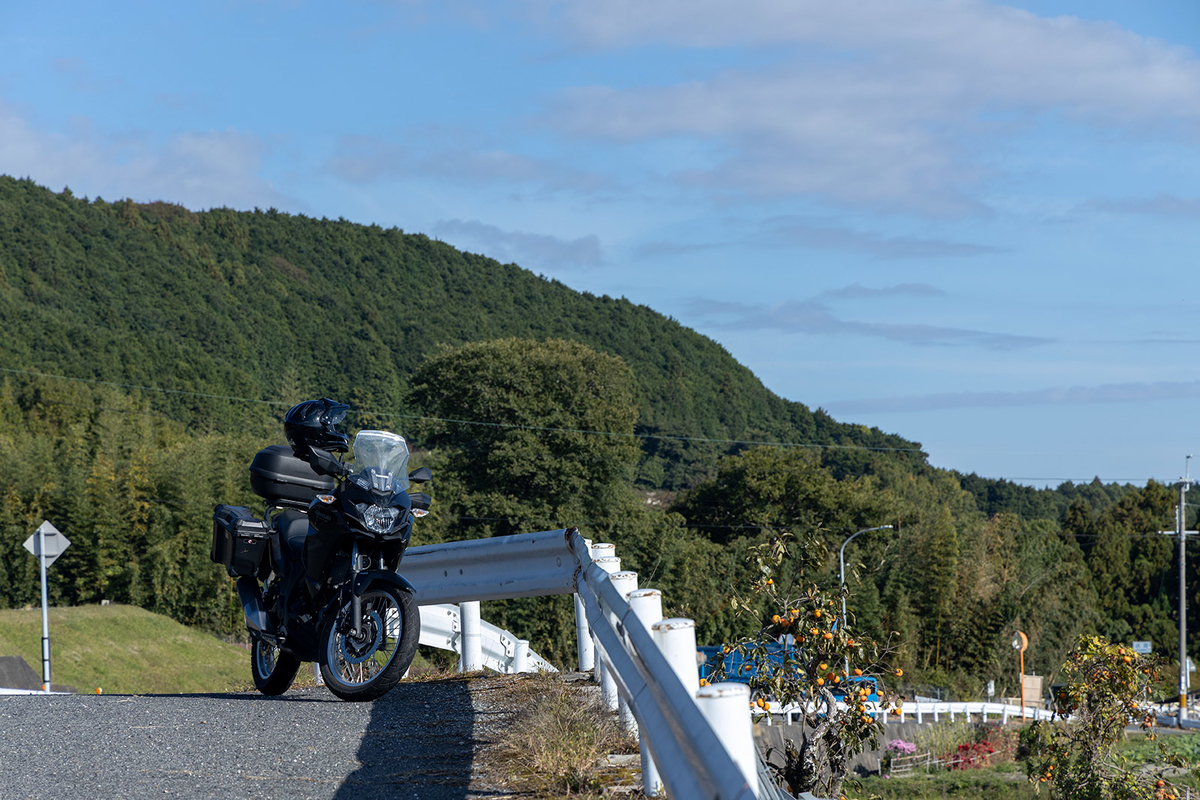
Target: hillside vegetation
(151, 350)
(124, 650)
(274, 307)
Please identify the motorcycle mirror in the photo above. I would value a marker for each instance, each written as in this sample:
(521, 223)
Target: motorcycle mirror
(420, 475)
(323, 463)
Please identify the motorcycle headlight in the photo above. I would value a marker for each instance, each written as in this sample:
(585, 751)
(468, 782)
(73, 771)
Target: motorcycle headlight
(380, 519)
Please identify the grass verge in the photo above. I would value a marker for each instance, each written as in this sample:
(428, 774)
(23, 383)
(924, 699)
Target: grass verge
(559, 738)
(124, 650)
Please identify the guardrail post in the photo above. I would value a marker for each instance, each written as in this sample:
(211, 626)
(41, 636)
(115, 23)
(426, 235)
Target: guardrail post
(472, 647)
(584, 651)
(608, 685)
(595, 551)
(646, 605)
(676, 638)
(624, 582)
(521, 656)
(726, 706)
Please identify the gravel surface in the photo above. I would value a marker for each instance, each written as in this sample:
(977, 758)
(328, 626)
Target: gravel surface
(421, 740)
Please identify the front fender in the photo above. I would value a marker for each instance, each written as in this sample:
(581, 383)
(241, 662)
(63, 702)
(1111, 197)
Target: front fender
(369, 576)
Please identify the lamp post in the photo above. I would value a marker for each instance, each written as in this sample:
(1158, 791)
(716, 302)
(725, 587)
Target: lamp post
(842, 572)
(1020, 642)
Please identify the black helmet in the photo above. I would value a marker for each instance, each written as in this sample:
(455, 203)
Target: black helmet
(313, 423)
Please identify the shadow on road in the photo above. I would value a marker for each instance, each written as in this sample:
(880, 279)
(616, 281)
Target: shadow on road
(418, 744)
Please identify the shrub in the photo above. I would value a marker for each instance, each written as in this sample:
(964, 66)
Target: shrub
(1107, 687)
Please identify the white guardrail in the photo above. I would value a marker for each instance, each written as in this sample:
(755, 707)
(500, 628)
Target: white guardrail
(448, 627)
(1172, 721)
(922, 712)
(698, 743)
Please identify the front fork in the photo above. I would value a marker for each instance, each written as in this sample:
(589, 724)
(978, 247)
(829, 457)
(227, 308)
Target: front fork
(355, 600)
(358, 563)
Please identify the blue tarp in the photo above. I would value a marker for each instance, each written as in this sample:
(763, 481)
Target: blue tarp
(739, 670)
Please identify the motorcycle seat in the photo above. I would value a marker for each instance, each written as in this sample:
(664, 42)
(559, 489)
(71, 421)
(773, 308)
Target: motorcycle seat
(293, 529)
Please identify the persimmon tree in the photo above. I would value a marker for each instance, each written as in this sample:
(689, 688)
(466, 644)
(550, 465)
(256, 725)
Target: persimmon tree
(808, 673)
(1107, 687)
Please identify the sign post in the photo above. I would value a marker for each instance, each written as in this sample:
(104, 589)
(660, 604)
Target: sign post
(47, 544)
(1020, 643)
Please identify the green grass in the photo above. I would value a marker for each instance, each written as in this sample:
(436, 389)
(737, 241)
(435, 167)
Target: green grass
(1138, 748)
(125, 650)
(1003, 782)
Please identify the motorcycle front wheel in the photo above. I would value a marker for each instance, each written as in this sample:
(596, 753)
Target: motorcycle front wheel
(273, 669)
(366, 666)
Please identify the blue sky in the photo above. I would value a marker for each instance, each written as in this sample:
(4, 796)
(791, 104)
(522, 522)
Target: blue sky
(973, 224)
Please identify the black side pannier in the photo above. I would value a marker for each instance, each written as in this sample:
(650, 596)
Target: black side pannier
(284, 480)
(239, 540)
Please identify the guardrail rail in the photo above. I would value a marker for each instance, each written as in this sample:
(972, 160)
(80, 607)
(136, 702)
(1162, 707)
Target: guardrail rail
(696, 744)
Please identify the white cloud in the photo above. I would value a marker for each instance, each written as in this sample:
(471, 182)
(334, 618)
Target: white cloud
(198, 169)
(871, 102)
(856, 291)
(453, 156)
(530, 250)
(1163, 205)
(826, 236)
(813, 317)
(821, 234)
(1073, 395)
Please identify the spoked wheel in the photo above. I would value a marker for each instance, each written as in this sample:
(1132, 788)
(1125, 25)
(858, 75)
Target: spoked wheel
(274, 670)
(366, 666)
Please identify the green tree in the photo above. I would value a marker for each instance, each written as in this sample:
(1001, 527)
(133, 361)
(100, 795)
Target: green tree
(807, 672)
(534, 432)
(774, 488)
(530, 435)
(1106, 685)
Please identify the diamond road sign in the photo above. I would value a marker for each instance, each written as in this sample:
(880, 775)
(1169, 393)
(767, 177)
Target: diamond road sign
(56, 543)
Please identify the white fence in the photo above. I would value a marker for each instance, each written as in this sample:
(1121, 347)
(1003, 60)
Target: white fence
(936, 711)
(1172, 720)
(442, 626)
(698, 744)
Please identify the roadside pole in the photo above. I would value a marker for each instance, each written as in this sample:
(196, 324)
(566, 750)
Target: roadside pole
(1182, 532)
(46, 544)
(41, 531)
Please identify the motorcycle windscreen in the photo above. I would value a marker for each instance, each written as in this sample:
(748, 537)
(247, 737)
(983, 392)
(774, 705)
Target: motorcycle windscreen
(382, 453)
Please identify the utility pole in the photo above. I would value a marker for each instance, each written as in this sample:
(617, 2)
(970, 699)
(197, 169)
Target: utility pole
(1181, 531)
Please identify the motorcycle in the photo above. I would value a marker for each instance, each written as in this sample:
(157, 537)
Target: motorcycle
(326, 552)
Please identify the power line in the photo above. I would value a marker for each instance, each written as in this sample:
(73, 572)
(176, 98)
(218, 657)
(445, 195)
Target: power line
(649, 435)
(504, 425)
(144, 388)
(552, 429)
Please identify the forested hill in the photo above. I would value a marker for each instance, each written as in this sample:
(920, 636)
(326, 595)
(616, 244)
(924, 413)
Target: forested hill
(149, 351)
(272, 307)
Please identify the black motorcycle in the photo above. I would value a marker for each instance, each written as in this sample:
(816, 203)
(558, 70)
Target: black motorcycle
(326, 553)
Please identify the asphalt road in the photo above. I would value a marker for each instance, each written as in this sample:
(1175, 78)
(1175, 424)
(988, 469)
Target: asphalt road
(418, 741)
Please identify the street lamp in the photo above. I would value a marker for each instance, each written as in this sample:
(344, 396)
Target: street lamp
(1020, 642)
(842, 573)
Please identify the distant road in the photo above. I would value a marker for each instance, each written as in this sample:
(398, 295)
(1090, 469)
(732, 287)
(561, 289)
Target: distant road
(416, 742)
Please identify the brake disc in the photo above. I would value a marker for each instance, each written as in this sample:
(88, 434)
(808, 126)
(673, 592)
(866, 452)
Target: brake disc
(356, 651)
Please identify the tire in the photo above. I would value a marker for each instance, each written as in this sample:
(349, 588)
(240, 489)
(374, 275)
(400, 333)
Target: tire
(273, 669)
(368, 667)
